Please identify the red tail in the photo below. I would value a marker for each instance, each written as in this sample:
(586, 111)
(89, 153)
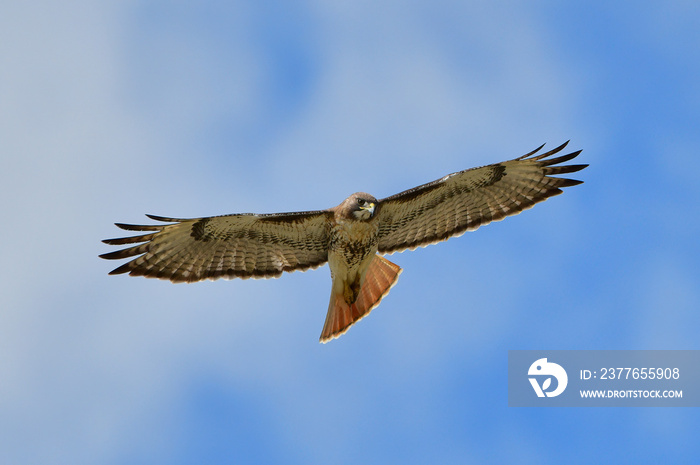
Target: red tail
(381, 276)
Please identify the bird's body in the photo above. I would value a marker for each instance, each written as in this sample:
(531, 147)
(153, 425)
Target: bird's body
(350, 237)
(352, 253)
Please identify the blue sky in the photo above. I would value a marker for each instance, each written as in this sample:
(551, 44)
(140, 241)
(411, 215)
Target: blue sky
(115, 109)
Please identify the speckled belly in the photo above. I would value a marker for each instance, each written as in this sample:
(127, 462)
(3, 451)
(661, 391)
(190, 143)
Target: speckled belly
(353, 242)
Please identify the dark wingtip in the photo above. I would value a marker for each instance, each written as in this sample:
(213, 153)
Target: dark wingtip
(561, 159)
(551, 152)
(533, 152)
(120, 270)
(116, 255)
(165, 219)
(569, 182)
(139, 227)
(575, 168)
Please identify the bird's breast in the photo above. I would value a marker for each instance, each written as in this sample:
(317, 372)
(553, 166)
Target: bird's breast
(353, 241)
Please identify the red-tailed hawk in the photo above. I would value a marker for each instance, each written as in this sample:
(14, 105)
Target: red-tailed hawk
(349, 237)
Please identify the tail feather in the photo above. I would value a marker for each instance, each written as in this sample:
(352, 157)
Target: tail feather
(380, 278)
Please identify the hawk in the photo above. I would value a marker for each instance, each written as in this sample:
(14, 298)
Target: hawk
(350, 237)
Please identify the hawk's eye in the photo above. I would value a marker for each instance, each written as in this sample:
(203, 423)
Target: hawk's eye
(360, 202)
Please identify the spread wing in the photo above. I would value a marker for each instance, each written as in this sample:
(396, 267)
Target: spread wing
(465, 200)
(230, 246)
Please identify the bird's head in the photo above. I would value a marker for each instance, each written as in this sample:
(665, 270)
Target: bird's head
(360, 206)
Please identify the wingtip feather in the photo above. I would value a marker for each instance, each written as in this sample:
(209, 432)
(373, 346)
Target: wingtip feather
(165, 219)
(120, 269)
(569, 182)
(139, 227)
(533, 152)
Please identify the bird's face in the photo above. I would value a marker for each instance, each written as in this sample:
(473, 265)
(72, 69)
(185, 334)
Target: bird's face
(362, 206)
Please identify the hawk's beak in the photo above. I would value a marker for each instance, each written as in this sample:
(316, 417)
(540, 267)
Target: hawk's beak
(369, 206)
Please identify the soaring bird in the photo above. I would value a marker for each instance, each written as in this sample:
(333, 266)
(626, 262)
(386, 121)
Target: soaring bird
(350, 237)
